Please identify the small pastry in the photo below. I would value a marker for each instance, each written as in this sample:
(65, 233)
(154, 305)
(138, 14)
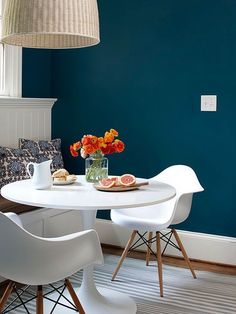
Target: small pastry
(60, 173)
(71, 177)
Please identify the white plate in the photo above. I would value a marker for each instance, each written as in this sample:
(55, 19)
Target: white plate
(64, 182)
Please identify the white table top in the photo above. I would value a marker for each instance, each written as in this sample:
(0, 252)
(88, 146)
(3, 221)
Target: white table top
(83, 196)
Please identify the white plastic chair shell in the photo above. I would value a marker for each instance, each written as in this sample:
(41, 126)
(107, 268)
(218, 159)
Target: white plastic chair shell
(160, 216)
(185, 181)
(34, 260)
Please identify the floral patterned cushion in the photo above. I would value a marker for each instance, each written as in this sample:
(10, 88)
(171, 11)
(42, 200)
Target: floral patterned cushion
(13, 163)
(44, 150)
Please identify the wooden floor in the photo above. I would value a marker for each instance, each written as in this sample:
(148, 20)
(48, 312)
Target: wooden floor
(176, 261)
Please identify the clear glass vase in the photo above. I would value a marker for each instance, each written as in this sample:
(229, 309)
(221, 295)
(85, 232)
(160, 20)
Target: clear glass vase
(96, 167)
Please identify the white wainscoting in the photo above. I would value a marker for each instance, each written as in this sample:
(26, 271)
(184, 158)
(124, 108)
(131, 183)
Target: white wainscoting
(24, 117)
(205, 247)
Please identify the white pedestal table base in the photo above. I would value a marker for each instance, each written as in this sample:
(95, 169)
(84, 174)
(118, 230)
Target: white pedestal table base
(101, 300)
(107, 301)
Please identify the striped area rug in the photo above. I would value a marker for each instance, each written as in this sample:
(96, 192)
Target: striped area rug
(210, 293)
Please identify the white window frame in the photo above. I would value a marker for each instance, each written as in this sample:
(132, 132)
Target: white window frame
(11, 68)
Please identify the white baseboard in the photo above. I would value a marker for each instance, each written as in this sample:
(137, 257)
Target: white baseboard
(201, 246)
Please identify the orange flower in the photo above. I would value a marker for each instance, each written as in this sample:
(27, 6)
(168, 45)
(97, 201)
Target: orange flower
(119, 146)
(95, 143)
(77, 145)
(94, 139)
(108, 137)
(88, 149)
(101, 142)
(87, 139)
(109, 149)
(114, 132)
(91, 144)
(73, 152)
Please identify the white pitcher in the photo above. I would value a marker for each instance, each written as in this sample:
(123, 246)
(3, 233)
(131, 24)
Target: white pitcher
(41, 178)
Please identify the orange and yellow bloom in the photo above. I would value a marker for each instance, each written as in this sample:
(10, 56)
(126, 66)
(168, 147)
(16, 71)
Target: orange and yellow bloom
(90, 144)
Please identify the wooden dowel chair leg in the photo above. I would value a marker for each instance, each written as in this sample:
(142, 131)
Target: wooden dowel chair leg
(124, 254)
(148, 249)
(39, 300)
(6, 295)
(159, 262)
(74, 296)
(184, 252)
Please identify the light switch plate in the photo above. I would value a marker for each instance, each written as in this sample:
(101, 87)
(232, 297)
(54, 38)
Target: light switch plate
(208, 102)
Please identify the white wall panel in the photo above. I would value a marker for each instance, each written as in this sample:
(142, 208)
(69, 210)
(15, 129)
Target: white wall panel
(24, 117)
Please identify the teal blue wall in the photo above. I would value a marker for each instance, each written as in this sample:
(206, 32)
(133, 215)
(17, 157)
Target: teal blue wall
(36, 74)
(145, 79)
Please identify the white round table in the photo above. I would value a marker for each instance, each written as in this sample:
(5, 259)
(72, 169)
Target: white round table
(84, 197)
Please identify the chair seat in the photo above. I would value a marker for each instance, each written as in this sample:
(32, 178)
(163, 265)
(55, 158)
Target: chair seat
(148, 218)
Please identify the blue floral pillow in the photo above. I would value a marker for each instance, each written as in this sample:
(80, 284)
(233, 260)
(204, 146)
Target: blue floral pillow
(44, 150)
(13, 163)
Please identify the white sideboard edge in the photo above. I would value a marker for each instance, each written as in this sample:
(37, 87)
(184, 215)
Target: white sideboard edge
(22, 102)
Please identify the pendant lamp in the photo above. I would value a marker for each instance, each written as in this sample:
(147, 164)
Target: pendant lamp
(53, 24)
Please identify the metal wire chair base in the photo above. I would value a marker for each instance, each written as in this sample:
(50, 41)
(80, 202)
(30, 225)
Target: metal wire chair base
(31, 295)
(166, 237)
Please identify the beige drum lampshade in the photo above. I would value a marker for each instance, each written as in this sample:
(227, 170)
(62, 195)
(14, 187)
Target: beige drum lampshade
(54, 24)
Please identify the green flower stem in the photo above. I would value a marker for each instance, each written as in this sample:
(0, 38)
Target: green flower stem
(96, 169)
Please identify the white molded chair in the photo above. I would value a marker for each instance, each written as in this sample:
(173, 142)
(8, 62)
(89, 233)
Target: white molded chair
(156, 218)
(32, 260)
